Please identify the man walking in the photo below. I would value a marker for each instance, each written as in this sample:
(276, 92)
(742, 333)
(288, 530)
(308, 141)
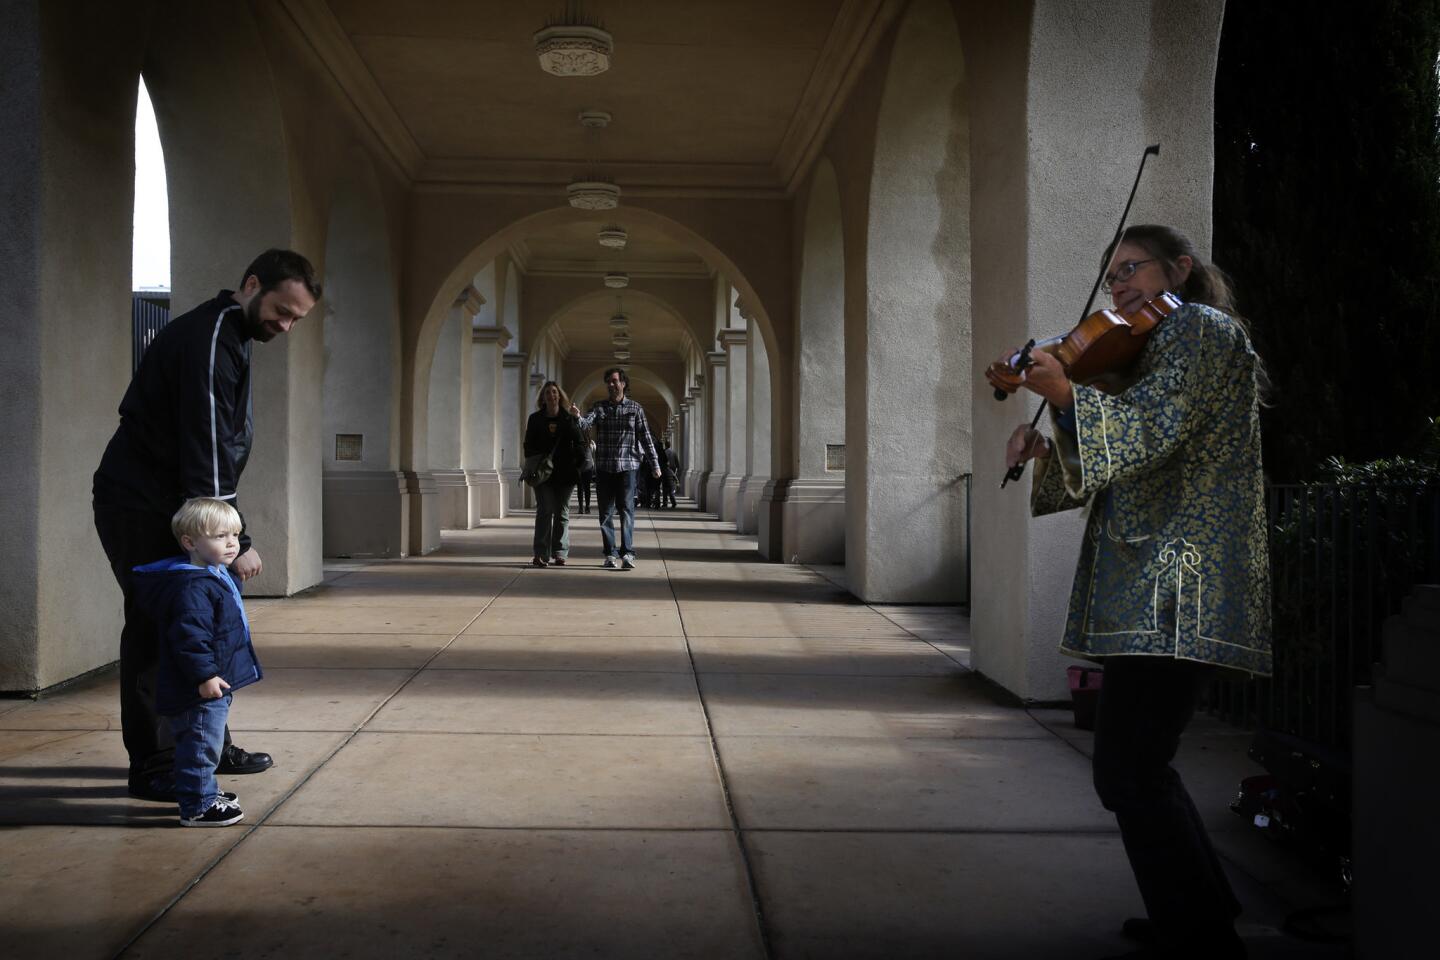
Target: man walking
(672, 474)
(185, 431)
(622, 446)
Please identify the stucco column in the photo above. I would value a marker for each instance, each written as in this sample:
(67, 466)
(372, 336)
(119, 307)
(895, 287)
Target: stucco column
(365, 503)
(719, 430)
(757, 433)
(695, 462)
(1045, 135)
(737, 463)
(449, 402)
(483, 424)
(513, 386)
(681, 444)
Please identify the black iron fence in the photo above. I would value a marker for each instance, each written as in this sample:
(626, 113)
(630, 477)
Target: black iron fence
(1342, 557)
(149, 312)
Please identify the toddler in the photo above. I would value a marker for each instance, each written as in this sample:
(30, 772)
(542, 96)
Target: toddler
(205, 652)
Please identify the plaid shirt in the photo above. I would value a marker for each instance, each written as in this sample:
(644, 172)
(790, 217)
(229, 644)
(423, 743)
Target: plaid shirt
(622, 436)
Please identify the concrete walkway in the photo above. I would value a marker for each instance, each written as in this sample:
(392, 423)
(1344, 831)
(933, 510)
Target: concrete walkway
(709, 756)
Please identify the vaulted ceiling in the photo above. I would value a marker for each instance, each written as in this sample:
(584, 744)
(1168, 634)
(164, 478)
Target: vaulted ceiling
(706, 97)
(704, 94)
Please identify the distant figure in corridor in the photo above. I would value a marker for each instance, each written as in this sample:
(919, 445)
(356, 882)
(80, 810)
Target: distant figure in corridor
(671, 468)
(1173, 581)
(205, 652)
(622, 446)
(553, 429)
(185, 431)
(587, 476)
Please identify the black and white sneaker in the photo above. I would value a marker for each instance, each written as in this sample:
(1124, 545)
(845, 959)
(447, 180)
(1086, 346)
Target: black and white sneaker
(627, 562)
(222, 813)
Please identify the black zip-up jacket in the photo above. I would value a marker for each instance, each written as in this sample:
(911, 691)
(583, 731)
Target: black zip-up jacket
(185, 421)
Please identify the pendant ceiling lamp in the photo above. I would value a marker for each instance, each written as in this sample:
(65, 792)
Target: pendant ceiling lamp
(574, 45)
(613, 236)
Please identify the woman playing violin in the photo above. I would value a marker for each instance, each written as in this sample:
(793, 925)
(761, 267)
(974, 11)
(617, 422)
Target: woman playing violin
(1173, 580)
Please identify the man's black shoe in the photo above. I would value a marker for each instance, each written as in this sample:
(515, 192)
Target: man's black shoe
(154, 790)
(234, 760)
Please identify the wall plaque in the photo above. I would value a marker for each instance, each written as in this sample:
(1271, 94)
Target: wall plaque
(349, 446)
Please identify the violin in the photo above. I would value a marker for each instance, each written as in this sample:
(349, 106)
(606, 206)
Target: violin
(1102, 346)
(1102, 343)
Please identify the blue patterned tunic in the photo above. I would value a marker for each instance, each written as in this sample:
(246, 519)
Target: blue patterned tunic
(1175, 561)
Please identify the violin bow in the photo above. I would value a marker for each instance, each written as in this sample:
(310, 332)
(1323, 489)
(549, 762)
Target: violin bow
(1018, 471)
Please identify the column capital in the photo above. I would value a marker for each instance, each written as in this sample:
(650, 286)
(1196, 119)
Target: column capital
(470, 300)
(743, 308)
(696, 393)
(731, 336)
(490, 335)
(716, 359)
(536, 379)
(515, 359)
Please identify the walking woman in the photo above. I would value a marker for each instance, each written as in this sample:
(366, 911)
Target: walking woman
(1173, 581)
(554, 430)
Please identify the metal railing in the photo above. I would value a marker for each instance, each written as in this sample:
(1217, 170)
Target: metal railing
(1342, 559)
(149, 312)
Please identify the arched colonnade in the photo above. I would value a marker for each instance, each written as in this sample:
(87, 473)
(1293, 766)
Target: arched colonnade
(823, 385)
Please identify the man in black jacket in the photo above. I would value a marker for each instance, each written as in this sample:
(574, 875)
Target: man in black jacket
(185, 431)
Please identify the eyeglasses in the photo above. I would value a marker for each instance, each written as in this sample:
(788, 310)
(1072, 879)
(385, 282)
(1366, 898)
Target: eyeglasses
(1126, 271)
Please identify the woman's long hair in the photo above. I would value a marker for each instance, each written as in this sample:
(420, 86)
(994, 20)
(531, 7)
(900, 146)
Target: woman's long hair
(564, 397)
(1206, 284)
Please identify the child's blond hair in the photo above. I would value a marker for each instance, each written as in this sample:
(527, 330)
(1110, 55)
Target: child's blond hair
(205, 517)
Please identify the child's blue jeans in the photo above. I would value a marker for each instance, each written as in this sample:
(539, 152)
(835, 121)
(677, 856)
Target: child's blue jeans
(199, 737)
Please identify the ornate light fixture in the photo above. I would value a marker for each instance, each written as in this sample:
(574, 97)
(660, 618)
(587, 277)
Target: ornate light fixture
(574, 45)
(622, 355)
(619, 322)
(593, 195)
(614, 236)
(595, 119)
(621, 341)
(617, 280)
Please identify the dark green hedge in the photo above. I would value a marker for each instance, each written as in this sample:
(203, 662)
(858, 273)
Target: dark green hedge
(1327, 215)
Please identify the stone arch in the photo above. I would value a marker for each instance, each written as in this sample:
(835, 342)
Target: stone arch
(422, 339)
(364, 502)
(221, 128)
(908, 346)
(592, 380)
(70, 101)
(632, 295)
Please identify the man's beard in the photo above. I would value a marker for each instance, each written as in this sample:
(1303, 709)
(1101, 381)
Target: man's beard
(253, 324)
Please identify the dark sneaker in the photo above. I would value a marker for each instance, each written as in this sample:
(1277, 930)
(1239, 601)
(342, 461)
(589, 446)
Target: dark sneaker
(234, 760)
(222, 813)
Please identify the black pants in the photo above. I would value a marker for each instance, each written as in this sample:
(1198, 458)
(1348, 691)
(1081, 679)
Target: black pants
(131, 538)
(585, 481)
(668, 491)
(1145, 704)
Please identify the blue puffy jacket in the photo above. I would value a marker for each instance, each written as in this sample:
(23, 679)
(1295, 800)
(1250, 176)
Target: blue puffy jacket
(203, 630)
